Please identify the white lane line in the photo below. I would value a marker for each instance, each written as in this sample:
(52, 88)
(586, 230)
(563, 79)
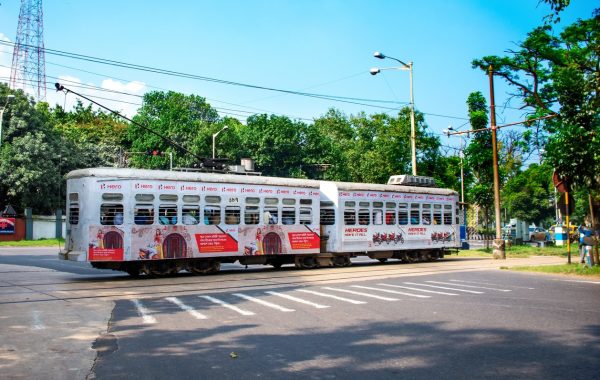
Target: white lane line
(583, 281)
(37, 321)
(264, 303)
(444, 287)
(469, 286)
(488, 283)
(361, 294)
(355, 302)
(227, 305)
(143, 312)
(420, 290)
(187, 308)
(296, 299)
(390, 291)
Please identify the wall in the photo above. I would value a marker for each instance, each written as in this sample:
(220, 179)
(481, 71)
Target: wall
(44, 227)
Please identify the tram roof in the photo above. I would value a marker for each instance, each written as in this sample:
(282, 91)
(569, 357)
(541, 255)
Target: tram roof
(164, 175)
(356, 186)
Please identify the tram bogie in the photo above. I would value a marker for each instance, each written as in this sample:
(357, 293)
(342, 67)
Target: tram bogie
(160, 223)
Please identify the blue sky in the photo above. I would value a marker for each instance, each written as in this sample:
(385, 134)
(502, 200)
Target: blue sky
(315, 46)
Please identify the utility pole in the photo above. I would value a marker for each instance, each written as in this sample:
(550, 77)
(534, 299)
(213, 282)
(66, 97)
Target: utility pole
(499, 247)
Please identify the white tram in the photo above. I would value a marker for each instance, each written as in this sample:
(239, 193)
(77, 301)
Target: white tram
(161, 222)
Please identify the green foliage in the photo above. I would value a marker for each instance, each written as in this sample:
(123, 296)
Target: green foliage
(529, 195)
(558, 76)
(186, 120)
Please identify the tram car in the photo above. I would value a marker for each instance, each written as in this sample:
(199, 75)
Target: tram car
(161, 222)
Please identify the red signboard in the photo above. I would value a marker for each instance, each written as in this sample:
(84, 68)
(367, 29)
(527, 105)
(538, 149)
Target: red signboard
(209, 243)
(304, 240)
(105, 254)
(7, 226)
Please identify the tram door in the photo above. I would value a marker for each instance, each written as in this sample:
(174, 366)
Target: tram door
(174, 246)
(272, 244)
(113, 240)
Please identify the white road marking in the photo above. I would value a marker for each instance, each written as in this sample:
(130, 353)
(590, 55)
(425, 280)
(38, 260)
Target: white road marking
(264, 303)
(296, 299)
(583, 281)
(37, 321)
(143, 312)
(361, 294)
(332, 296)
(487, 283)
(227, 305)
(187, 308)
(469, 286)
(420, 290)
(390, 291)
(443, 287)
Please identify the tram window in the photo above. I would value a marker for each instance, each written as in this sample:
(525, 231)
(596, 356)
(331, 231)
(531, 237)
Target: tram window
(288, 201)
(378, 204)
(167, 214)
(364, 216)
(349, 204)
(305, 215)
(252, 201)
(190, 214)
(73, 212)
(74, 197)
(191, 198)
(288, 215)
(325, 203)
(251, 214)
(212, 199)
(270, 214)
(448, 214)
(426, 214)
(168, 197)
(403, 214)
(306, 201)
(377, 216)
(364, 204)
(350, 217)
(212, 215)
(415, 217)
(271, 201)
(112, 197)
(143, 214)
(232, 215)
(327, 216)
(144, 197)
(437, 214)
(390, 213)
(111, 214)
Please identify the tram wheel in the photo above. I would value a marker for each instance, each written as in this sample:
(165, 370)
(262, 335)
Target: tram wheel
(205, 267)
(340, 261)
(161, 269)
(276, 264)
(383, 260)
(307, 262)
(133, 272)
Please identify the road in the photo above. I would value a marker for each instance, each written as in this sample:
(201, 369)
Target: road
(456, 318)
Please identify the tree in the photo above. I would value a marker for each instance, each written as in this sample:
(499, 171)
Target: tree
(186, 120)
(528, 195)
(559, 77)
(478, 155)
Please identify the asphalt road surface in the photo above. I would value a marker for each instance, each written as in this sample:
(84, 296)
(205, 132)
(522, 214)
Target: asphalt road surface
(452, 319)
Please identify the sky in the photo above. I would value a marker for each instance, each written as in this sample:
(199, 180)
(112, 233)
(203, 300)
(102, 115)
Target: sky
(316, 46)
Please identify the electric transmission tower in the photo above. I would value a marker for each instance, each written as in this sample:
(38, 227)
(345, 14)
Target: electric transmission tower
(29, 59)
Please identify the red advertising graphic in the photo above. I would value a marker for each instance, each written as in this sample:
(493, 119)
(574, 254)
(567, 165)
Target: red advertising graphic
(7, 226)
(304, 240)
(105, 254)
(209, 243)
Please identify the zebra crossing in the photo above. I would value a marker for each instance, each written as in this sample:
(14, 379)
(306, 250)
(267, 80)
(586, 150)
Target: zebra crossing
(323, 297)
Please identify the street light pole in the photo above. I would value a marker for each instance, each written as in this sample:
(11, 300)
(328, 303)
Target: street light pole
(413, 134)
(214, 136)
(8, 97)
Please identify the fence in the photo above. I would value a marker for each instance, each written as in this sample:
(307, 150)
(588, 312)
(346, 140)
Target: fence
(33, 227)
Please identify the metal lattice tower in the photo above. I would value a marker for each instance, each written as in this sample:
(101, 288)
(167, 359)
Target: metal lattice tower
(29, 60)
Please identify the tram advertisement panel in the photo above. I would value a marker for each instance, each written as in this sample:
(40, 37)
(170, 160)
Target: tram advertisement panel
(106, 244)
(278, 239)
(162, 242)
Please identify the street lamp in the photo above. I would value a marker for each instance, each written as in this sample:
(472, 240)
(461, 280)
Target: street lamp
(405, 66)
(8, 98)
(214, 137)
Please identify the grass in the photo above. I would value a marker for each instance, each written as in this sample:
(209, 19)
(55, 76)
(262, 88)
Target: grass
(573, 268)
(522, 251)
(33, 243)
